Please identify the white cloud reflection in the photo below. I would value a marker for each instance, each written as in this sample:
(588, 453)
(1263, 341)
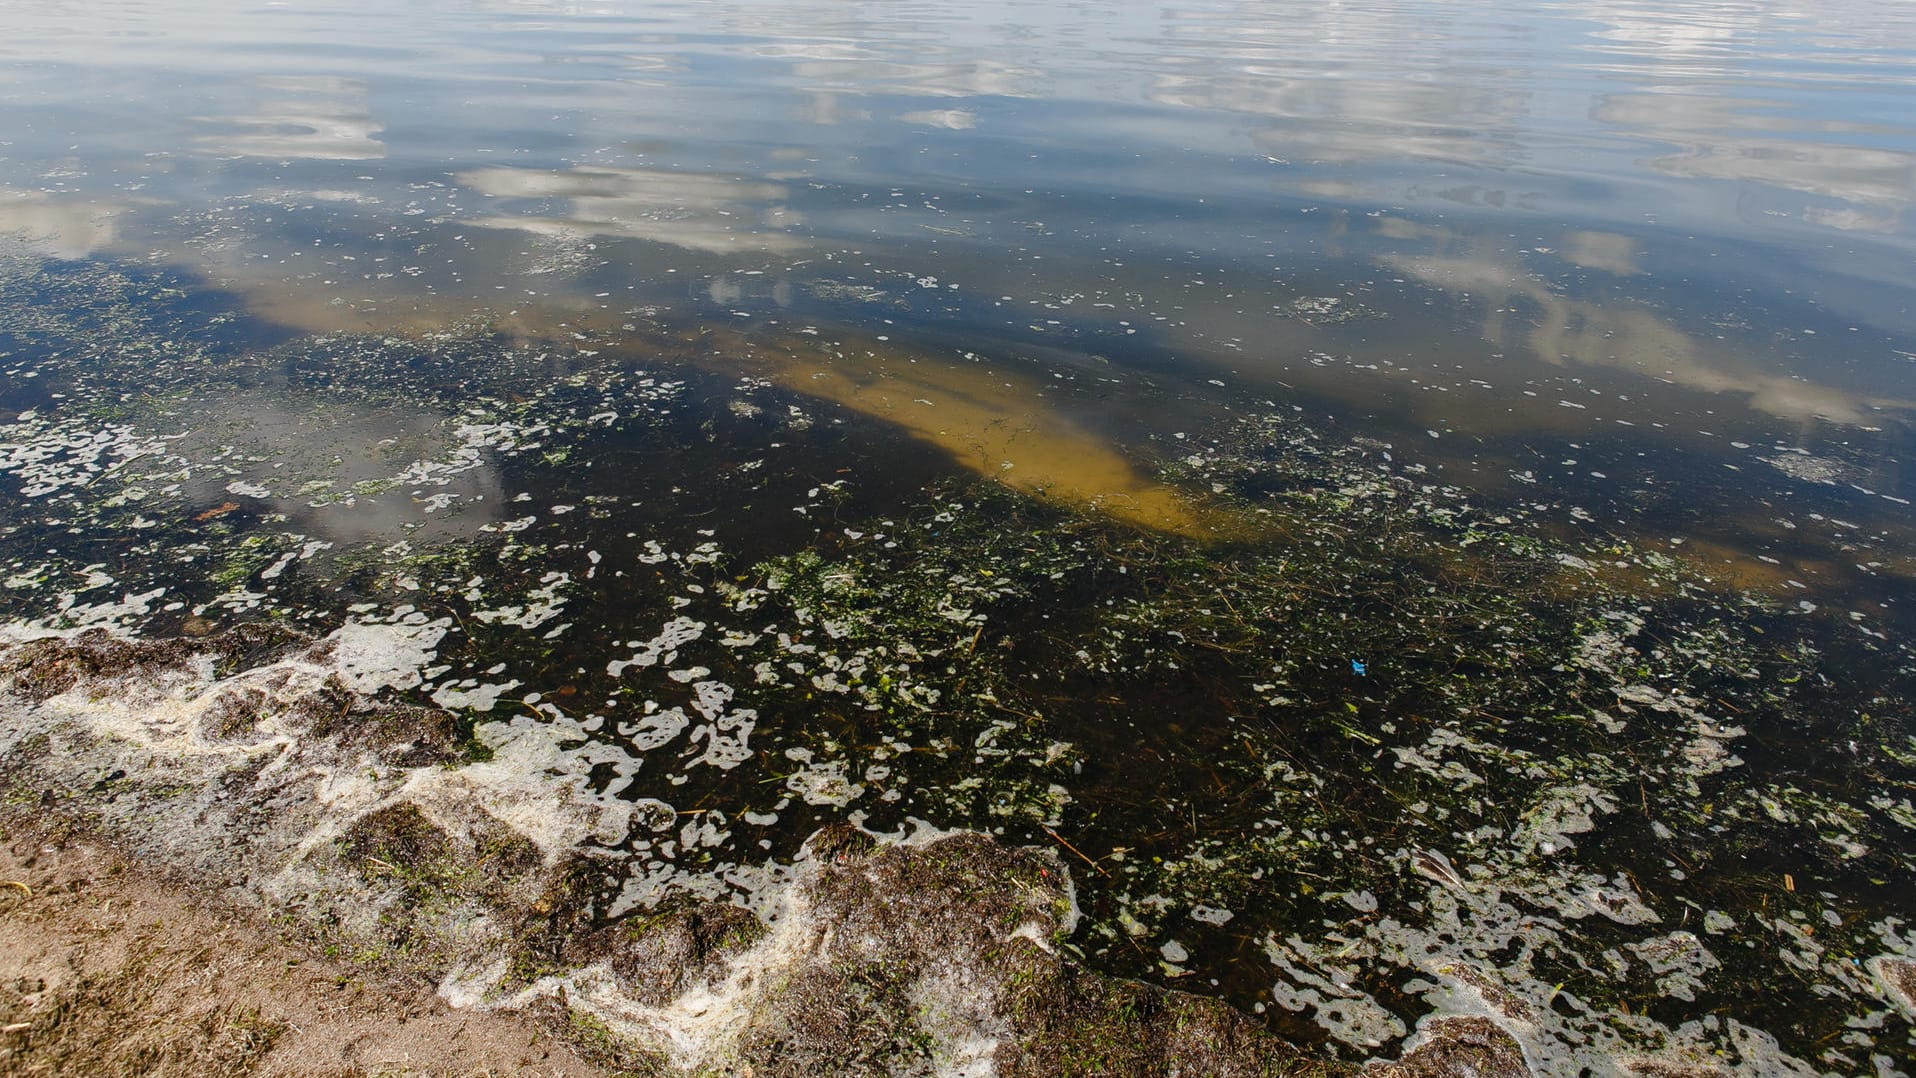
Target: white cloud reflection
(1757, 141)
(307, 116)
(949, 119)
(695, 210)
(1751, 91)
(1560, 331)
(59, 228)
(1748, 91)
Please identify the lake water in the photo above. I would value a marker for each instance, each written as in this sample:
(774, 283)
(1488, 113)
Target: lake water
(940, 379)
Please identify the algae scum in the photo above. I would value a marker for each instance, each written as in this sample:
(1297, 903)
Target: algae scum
(1353, 748)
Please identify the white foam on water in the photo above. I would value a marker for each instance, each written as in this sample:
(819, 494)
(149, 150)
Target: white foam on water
(74, 617)
(372, 655)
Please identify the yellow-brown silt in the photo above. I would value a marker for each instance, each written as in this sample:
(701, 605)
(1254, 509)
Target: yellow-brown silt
(999, 423)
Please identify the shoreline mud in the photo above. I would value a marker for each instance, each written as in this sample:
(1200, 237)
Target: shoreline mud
(110, 967)
(934, 954)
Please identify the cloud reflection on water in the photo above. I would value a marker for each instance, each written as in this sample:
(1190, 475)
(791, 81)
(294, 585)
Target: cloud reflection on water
(1379, 84)
(1757, 142)
(694, 210)
(60, 228)
(1522, 312)
(311, 116)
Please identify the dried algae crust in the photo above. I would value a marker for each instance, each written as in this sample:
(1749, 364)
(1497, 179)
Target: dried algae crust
(937, 954)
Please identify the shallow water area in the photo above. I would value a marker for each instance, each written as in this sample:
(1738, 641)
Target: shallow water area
(1408, 501)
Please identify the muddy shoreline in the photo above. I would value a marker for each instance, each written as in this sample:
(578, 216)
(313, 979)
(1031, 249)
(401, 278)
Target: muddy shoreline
(110, 967)
(237, 950)
(935, 955)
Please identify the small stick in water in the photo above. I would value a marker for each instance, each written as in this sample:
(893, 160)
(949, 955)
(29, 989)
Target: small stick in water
(1438, 867)
(1074, 849)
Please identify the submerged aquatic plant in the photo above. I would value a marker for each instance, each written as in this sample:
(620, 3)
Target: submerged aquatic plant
(1385, 748)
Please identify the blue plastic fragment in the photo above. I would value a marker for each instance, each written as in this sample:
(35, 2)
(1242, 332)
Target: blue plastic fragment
(1358, 668)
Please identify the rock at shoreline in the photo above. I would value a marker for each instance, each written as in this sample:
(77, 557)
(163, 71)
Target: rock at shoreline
(1897, 976)
(1451, 1046)
(942, 957)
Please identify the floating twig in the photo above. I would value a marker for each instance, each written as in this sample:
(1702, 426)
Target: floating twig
(1074, 849)
(1436, 866)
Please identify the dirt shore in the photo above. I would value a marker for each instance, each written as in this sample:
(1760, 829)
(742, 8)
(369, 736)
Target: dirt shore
(106, 969)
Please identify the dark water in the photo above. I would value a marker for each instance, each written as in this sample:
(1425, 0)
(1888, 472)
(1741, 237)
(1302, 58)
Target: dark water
(1641, 231)
(1630, 282)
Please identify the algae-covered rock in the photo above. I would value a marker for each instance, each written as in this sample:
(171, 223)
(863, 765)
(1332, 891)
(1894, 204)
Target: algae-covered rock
(1457, 1045)
(1897, 976)
(935, 957)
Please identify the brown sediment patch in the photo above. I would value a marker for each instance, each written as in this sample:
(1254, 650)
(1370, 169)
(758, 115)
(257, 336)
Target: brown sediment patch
(109, 969)
(1736, 570)
(1021, 428)
(997, 421)
(1727, 568)
(1457, 1045)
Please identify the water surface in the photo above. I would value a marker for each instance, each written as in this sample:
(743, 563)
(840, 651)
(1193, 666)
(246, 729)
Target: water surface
(693, 285)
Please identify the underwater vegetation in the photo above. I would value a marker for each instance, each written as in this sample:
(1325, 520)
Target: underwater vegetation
(516, 660)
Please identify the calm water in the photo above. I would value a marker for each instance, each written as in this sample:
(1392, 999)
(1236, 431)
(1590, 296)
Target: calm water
(1642, 271)
(1639, 230)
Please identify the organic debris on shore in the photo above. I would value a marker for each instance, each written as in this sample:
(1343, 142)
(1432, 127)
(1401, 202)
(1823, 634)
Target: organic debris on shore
(109, 967)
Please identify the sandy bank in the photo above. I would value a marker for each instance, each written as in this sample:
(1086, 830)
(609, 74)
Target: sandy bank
(108, 969)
